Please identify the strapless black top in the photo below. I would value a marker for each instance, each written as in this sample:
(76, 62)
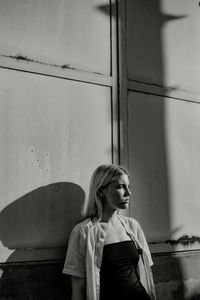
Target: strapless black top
(118, 275)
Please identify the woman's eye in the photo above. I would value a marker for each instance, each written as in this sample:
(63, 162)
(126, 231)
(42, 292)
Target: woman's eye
(120, 186)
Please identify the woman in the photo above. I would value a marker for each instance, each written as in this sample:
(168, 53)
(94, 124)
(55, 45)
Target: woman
(108, 256)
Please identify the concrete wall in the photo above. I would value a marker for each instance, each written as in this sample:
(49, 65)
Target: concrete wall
(32, 281)
(58, 119)
(163, 121)
(80, 86)
(176, 277)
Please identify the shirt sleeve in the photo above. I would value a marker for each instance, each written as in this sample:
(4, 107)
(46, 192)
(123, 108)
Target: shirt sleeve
(75, 262)
(143, 241)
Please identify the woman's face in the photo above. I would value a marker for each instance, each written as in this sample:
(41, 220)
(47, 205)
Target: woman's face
(117, 194)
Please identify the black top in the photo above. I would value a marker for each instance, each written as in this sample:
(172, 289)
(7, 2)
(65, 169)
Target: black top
(118, 276)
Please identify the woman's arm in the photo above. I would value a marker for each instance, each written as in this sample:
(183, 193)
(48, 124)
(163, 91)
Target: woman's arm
(78, 288)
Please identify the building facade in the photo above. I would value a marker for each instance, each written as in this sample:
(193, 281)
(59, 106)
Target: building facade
(91, 82)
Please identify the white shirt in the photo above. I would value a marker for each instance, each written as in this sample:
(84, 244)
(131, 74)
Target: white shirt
(85, 251)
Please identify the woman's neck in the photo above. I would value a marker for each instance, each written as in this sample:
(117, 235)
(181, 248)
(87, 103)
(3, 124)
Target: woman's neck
(109, 216)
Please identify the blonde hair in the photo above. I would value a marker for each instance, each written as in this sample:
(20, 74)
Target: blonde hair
(102, 176)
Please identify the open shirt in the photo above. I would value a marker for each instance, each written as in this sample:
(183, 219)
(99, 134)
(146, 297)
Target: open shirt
(85, 251)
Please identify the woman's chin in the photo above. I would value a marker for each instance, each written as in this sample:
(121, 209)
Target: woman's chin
(124, 205)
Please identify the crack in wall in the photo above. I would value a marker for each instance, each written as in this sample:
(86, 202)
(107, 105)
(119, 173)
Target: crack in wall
(185, 240)
(27, 59)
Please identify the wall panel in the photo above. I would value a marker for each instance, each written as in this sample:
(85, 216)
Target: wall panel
(164, 156)
(181, 44)
(148, 164)
(58, 33)
(163, 41)
(53, 134)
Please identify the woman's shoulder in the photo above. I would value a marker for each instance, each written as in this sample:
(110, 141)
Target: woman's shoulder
(133, 224)
(81, 226)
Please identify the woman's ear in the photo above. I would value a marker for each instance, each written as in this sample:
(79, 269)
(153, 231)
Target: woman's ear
(100, 193)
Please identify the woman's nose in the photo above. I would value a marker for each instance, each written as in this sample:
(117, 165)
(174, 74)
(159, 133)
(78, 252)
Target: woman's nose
(128, 191)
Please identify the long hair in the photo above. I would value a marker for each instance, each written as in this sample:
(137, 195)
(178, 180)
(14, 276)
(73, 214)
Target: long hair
(102, 176)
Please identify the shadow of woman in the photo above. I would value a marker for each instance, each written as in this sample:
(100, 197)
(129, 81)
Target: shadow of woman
(36, 227)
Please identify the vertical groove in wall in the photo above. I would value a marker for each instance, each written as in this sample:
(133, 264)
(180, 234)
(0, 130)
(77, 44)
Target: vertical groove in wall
(122, 83)
(114, 94)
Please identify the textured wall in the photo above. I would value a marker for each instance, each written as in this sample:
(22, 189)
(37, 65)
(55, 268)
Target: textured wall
(56, 120)
(34, 282)
(176, 277)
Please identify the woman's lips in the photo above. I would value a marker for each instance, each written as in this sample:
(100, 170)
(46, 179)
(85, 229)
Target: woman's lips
(125, 201)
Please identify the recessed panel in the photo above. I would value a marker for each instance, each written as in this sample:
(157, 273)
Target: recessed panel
(148, 165)
(181, 44)
(164, 156)
(163, 41)
(183, 148)
(144, 41)
(54, 133)
(65, 33)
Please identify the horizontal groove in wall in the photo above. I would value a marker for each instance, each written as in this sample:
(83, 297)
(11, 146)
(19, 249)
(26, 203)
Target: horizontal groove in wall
(61, 261)
(55, 71)
(31, 263)
(157, 248)
(177, 253)
(32, 254)
(162, 91)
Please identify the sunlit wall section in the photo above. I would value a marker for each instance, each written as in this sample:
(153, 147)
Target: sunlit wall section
(56, 116)
(183, 151)
(63, 33)
(53, 131)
